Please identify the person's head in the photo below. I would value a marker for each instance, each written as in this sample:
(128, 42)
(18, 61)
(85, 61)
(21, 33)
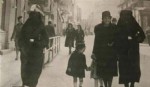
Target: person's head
(35, 17)
(106, 17)
(114, 21)
(20, 19)
(126, 15)
(80, 47)
(79, 27)
(49, 22)
(70, 26)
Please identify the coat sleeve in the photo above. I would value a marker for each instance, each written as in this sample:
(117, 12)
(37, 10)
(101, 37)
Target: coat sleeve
(14, 32)
(140, 36)
(85, 65)
(70, 61)
(45, 38)
(94, 46)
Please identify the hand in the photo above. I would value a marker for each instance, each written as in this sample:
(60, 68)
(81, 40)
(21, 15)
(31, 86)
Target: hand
(129, 38)
(110, 44)
(93, 56)
(69, 69)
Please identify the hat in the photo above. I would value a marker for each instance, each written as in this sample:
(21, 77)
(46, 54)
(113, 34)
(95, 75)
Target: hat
(114, 19)
(19, 17)
(106, 14)
(80, 46)
(126, 13)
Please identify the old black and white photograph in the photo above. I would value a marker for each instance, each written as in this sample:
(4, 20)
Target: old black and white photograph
(74, 43)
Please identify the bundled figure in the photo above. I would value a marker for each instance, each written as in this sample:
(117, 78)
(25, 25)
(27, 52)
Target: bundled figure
(79, 35)
(130, 34)
(70, 37)
(32, 41)
(77, 65)
(104, 49)
(96, 78)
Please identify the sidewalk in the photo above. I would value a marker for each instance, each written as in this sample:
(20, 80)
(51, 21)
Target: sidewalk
(53, 74)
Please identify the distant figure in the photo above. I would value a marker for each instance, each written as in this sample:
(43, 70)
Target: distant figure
(70, 37)
(16, 35)
(32, 41)
(77, 65)
(79, 35)
(148, 34)
(114, 21)
(50, 31)
(104, 52)
(130, 34)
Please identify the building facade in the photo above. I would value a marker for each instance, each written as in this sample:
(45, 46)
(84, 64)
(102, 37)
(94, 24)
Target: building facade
(9, 11)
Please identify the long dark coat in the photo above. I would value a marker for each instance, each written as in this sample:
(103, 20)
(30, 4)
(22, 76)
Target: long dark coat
(77, 63)
(105, 55)
(128, 51)
(32, 41)
(79, 36)
(70, 37)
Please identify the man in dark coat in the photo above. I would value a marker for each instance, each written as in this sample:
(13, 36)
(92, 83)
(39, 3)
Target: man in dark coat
(50, 31)
(104, 51)
(16, 35)
(32, 41)
(130, 34)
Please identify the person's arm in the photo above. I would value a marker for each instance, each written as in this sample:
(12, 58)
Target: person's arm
(53, 31)
(94, 46)
(85, 65)
(45, 38)
(14, 32)
(140, 36)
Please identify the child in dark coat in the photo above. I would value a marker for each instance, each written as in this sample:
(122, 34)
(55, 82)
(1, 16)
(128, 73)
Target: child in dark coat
(77, 65)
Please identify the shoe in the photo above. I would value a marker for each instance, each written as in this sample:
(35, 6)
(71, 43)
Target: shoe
(101, 86)
(16, 58)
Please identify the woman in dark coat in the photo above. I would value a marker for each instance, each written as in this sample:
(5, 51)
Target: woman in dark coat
(79, 35)
(104, 51)
(130, 34)
(32, 41)
(70, 37)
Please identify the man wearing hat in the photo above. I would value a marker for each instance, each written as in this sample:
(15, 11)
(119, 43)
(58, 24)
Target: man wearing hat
(16, 35)
(103, 50)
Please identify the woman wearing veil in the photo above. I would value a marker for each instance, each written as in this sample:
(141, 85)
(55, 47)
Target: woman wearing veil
(32, 41)
(130, 34)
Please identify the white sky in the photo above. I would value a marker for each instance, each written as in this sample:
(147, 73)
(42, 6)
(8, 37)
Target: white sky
(88, 6)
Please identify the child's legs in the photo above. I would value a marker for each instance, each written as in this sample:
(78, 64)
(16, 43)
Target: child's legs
(81, 82)
(75, 81)
(96, 82)
(110, 81)
(105, 82)
(101, 81)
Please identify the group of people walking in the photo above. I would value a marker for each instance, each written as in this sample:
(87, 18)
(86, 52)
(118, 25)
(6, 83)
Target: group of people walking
(116, 49)
(113, 44)
(74, 35)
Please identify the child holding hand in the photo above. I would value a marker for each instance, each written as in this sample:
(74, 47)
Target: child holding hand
(77, 65)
